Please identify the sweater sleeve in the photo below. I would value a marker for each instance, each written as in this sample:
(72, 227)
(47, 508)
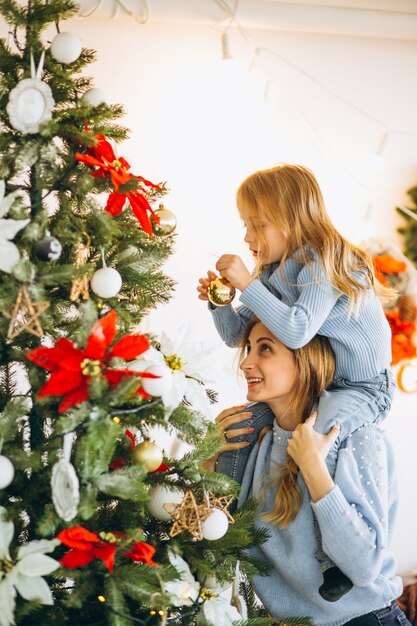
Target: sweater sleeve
(357, 516)
(294, 325)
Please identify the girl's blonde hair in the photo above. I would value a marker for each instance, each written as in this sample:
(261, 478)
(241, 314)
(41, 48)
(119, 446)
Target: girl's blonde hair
(315, 367)
(289, 196)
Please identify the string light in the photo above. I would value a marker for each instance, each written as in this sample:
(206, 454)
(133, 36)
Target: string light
(116, 419)
(101, 598)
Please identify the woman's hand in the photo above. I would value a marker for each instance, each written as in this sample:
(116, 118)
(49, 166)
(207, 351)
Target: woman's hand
(224, 420)
(231, 266)
(204, 285)
(309, 450)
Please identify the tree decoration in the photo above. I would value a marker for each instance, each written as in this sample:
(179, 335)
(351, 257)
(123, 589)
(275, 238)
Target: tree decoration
(106, 165)
(217, 610)
(222, 503)
(65, 484)
(6, 471)
(185, 591)
(159, 496)
(72, 368)
(162, 382)
(94, 97)
(148, 454)
(106, 282)
(8, 231)
(188, 516)
(80, 286)
(167, 222)
(23, 574)
(48, 248)
(192, 363)
(31, 102)
(87, 546)
(221, 292)
(215, 526)
(65, 47)
(25, 315)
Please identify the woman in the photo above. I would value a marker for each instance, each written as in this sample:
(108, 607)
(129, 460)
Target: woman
(299, 474)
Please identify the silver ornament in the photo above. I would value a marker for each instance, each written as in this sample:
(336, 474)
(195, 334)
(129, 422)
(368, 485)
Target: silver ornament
(65, 490)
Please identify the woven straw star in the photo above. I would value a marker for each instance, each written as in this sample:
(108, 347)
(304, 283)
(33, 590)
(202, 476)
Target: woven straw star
(188, 516)
(222, 503)
(80, 286)
(25, 315)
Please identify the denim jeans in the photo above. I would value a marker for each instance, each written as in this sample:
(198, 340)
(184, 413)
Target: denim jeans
(351, 404)
(391, 615)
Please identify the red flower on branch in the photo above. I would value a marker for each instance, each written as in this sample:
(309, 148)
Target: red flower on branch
(103, 158)
(87, 546)
(72, 368)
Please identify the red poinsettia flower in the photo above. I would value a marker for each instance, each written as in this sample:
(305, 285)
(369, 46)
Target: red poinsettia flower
(141, 552)
(86, 547)
(103, 158)
(72, 368)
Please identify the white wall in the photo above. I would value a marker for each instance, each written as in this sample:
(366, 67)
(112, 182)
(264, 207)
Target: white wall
(192, 127)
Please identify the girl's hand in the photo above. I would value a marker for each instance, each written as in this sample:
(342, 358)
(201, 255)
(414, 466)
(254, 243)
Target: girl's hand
(309, 449)
(224, 420)
(307, 446)
(231, 266)
(204, 285)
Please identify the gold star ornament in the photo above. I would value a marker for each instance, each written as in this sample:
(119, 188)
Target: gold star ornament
(25, 315)
(188, 516)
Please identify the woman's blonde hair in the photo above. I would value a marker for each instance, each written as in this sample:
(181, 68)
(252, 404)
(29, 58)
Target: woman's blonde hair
(289, 196)
(315, 367)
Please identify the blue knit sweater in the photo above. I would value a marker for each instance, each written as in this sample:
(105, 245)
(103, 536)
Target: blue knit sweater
(303, 303)
(356, 520)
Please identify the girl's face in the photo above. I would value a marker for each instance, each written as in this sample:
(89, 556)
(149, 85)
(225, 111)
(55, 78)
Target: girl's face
(273, 246)
(269, 368)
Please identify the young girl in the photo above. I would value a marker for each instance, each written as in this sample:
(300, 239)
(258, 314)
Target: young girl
(309, 280)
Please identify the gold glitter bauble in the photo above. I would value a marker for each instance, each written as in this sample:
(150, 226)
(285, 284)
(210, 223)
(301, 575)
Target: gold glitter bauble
(220, 292)
(167, 222)
(148, 454)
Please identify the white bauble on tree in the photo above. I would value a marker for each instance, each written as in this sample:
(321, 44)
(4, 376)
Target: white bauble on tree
(215, 526)
(158, 386)
(6, 471)
(160, 495)
(95, 96)
(106, 282)
(66, 47)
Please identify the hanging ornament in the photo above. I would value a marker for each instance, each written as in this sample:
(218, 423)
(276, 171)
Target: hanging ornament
(159, 496)
(161, 385)
(106, 282)
(48, 248)
(220, 292)
(65, 484)
(215, 526)
(30, 102)
(80, 286)
(94, 97)
(188, 516)
(6, 471)
(148, 454)
(167, 222)
(66, 47)
(25, 315)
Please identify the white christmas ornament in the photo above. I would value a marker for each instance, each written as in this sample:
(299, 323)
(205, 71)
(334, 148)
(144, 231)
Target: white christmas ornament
(161, 385)
(215, 526)
(30, 102)
(160, 495)
(95, 96)
(106, 282)
(6, 471)
(66, 47)
(65, 490)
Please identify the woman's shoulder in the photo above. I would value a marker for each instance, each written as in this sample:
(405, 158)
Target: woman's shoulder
(369, 443)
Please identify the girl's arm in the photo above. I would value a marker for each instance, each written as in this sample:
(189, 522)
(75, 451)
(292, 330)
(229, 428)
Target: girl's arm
(294, 325)
(356, 516)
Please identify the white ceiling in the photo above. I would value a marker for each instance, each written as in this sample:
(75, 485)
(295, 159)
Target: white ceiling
(391, 19)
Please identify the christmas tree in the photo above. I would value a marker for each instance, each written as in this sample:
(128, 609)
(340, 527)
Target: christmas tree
(97, 525)
(409, 231)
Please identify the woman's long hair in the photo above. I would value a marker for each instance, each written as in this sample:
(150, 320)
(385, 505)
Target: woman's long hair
(315, 366)
(289, 196)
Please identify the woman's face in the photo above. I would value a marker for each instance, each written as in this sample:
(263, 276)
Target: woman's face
(269, 368)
